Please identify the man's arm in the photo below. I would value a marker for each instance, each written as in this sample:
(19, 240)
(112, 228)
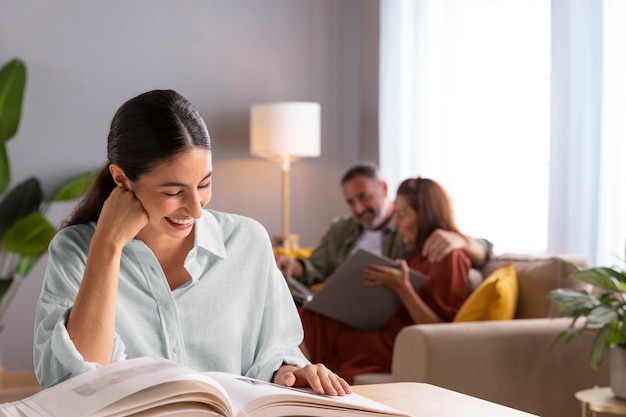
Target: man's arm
(289, 266)
(332, 250)
(441, 242)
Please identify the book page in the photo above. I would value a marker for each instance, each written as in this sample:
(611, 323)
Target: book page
(163, 399)
(264, 399)
(190, 409)
(11, 410)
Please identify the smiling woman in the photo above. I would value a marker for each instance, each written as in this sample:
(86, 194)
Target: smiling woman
(142, 269)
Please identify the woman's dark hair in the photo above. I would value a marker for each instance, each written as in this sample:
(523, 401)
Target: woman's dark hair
(152, 128)
(431, 204)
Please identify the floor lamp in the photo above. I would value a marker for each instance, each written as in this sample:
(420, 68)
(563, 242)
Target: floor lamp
(285, 132)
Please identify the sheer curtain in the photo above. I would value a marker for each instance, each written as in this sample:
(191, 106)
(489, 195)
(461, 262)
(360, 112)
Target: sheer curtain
(464, 99)
(612, 193)
(513, 105)
(575, 131)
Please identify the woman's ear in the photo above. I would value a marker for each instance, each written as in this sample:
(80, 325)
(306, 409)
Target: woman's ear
(119, 176)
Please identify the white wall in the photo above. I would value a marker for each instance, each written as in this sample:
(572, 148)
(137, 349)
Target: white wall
(84, 59)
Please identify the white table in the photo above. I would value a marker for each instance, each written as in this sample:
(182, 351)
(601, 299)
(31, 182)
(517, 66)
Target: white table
(425, 400)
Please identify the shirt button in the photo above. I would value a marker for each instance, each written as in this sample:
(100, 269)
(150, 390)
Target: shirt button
(175, 349)
(168, 306)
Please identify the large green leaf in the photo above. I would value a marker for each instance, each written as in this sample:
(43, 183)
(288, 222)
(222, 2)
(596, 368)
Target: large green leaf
(12, 84)
(29, 236)
(75, 188)
(21, 201)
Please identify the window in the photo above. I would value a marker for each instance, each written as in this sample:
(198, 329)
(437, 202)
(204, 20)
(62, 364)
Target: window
(516, 107)
(465, 100)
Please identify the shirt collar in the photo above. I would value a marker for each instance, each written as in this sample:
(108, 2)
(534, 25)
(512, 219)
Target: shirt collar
(208, 234)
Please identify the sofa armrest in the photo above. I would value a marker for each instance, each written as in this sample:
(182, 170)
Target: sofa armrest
(508, 362)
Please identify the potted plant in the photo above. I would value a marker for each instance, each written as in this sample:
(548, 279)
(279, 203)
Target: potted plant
(24, 230)
(602, 311)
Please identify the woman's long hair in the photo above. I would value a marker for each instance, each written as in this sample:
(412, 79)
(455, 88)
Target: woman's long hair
(431, 204)
(149, 129)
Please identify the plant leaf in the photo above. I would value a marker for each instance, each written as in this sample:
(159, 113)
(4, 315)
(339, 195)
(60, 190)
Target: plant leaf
(75, 187)
(619, 275)
(5, 168)
(25, 264)
(600, 344)
(29, 236)
(604, 278)
(573, 299)
(602, 315)
(12, 84)
(21, 201)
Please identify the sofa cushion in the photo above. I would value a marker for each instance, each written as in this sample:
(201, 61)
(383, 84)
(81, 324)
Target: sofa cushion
(494, 299)
(537, 275)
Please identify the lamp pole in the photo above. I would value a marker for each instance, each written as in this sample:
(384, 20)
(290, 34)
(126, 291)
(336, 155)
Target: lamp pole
(285, 166)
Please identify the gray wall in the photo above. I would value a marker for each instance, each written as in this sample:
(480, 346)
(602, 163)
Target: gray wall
(85, 58)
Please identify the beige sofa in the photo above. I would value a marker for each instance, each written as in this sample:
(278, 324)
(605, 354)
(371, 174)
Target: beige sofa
(511, 362)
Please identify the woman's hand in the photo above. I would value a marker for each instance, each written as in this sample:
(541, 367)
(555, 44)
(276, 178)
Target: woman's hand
(321, 379)
(91, 323)
(122, 216)
(395, 278)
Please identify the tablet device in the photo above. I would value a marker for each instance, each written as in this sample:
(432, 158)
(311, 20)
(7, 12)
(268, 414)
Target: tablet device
(345, 297)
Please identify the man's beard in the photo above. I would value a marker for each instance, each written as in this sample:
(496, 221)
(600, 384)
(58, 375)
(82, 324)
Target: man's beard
(380, 219)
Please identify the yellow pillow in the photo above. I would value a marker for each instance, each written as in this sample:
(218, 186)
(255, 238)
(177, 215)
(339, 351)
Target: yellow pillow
(494, 299)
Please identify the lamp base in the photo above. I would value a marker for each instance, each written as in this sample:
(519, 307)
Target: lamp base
(289, 243)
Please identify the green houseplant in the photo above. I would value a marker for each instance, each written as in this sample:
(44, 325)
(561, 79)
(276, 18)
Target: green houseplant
(24, 230)
(602, 311)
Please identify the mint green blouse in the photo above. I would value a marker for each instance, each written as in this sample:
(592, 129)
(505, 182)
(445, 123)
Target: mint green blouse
(235, 315)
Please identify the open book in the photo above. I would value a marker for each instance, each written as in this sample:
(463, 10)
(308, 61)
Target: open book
(157, 387)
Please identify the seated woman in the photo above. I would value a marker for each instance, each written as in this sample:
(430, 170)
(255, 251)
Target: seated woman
(421, 207)
(143, 268)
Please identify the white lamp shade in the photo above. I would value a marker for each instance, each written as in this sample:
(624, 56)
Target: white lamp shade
(282, 129)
